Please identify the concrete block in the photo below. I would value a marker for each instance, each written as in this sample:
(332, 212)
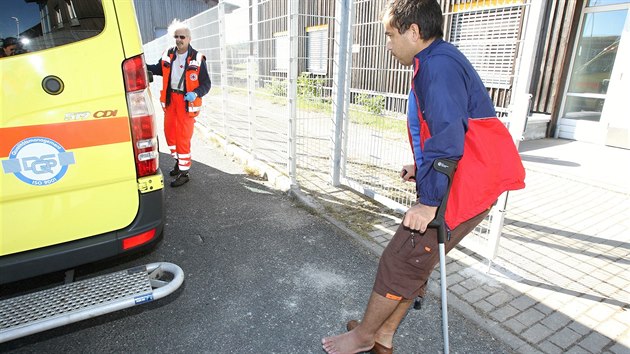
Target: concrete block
(376, 233)
(565, 338)
(475, 295)
(499, 298)
(529, 349)
(536, 333)
(544, 308)
(577, 350)
(581, 328)
(550, 348)
(601, 312)
(470, 284)
(556, 320)
(503, 313)
(623, 316)
(484, 306)
(457, 289)
(595, 342)
(619, 348)
(454, 278)
(574, 309)
(514, 325)
(530, 316)
(523, 302)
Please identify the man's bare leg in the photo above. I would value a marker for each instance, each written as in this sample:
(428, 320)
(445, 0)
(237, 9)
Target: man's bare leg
(378, 310)
(385, 335)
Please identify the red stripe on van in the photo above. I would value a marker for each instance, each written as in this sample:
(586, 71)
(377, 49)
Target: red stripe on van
(70, 135)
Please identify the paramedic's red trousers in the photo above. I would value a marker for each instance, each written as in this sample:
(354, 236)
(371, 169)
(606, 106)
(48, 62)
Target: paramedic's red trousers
(178, 128)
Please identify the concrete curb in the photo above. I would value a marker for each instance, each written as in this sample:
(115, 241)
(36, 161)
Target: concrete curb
(283, 183)
(312, 204)
(277, 179)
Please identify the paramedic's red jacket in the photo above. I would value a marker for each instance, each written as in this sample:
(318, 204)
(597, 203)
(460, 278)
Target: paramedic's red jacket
(442, 77)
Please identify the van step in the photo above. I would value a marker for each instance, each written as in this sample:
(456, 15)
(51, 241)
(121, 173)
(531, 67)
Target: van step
(36, 312)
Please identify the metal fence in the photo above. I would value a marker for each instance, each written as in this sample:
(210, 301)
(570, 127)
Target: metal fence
(345, 124)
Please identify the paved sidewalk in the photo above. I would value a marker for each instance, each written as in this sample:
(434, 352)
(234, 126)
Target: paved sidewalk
(561, 280)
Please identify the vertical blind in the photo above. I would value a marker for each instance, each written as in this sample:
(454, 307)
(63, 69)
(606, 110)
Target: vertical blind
(490, 40)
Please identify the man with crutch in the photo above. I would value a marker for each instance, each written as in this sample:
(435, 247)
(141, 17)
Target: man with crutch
(451, 117)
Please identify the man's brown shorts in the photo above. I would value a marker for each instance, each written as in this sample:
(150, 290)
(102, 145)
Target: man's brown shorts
(403, 270)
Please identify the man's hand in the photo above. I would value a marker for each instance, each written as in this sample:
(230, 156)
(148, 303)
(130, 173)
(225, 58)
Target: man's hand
(419, 216)
(408, 173)
(190, 96)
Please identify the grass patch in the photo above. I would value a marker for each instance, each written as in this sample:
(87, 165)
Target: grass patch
(252, 171)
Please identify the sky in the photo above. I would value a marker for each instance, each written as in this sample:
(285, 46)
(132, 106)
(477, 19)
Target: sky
(28, 14)
(602, 24)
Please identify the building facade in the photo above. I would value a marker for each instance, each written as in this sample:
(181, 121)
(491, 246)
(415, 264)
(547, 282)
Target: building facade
(154, 16)
(578, 82)
(583, 82)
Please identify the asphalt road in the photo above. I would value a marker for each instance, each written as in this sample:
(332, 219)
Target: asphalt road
(263, 275)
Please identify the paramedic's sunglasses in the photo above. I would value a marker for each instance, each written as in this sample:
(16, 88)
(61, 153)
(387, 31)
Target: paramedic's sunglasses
(180, 37)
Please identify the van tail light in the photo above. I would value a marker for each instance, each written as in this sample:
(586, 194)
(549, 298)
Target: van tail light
(141, 116)
(138, 240)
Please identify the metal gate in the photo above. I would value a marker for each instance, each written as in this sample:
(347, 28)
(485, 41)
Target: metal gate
(308, 87)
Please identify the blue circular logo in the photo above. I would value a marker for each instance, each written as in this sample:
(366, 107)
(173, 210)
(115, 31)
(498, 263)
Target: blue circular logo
(38, 161)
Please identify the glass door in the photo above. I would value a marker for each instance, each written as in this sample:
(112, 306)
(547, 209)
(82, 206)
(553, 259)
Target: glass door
(616, 112)
(596, 56)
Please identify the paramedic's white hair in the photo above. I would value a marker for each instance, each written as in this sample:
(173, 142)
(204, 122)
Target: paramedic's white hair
(178, 25)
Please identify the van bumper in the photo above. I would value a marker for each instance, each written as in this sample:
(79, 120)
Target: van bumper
(68, 255)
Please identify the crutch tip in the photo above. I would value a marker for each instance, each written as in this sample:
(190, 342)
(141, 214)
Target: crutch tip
(417, 303)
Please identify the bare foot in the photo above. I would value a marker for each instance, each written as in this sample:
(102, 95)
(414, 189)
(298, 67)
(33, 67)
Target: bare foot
(346, 343)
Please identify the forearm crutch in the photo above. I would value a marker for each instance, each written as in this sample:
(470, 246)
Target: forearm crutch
(448, 168)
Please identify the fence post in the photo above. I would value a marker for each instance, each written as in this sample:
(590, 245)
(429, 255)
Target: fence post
(524, 69)
(223, 60)
(292, 87)
(252, 78)
(521, 97)
(342, 11)
(348, 84)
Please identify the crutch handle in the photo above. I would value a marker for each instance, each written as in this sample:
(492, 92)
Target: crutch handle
(448, 168)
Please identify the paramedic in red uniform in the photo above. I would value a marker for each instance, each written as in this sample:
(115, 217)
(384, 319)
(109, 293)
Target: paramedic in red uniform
(185, 81)
(451, 116)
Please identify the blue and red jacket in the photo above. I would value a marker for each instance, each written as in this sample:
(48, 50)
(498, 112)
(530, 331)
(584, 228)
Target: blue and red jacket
(455, 118)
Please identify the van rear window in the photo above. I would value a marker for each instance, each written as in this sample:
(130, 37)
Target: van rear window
(33, 25)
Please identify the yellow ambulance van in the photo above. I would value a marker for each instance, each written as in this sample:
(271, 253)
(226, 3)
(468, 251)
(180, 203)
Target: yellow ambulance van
(79, 175)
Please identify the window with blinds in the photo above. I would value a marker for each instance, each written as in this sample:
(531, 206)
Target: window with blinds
(489, 38)
(317, 49)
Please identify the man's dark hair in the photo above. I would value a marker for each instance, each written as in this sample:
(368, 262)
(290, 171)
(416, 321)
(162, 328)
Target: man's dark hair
(9, 41)
(427, 14)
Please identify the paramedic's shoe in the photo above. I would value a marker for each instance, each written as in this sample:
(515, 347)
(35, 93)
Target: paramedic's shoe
(175, 171)
(181, 179)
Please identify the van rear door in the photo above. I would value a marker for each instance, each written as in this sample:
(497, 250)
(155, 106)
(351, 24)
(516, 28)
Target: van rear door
(67, 160)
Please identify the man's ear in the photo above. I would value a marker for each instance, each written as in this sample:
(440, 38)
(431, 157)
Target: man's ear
(417, 34)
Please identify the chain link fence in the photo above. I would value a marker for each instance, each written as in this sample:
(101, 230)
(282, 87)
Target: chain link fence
(308, 88)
